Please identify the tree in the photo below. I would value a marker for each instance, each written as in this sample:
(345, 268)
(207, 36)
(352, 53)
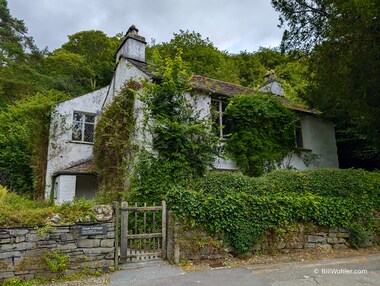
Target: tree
(98, 51)
(19, 59)
(200, 54)
(69, 72)
(24, 136)
(342, 38)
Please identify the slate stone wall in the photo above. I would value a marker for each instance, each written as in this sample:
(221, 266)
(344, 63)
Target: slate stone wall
(186, 243)
(24, 251)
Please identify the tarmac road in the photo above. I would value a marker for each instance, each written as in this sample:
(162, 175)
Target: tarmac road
(359, 270)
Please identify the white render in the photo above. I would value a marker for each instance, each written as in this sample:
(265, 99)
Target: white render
(67, 183)
(63, 153)
(319, 142)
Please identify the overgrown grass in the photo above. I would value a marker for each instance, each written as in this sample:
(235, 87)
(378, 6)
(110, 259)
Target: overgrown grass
(16, 210)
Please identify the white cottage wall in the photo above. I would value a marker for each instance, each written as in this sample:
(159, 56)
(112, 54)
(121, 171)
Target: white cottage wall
(319, 142)
(62, 151)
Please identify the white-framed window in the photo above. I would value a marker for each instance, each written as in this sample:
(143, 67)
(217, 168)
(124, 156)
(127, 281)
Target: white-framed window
(83, 127)
(217, 110)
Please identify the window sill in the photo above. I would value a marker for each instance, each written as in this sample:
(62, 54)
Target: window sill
(81, 142)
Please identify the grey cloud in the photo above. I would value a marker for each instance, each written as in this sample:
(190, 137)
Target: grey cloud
(232, 25)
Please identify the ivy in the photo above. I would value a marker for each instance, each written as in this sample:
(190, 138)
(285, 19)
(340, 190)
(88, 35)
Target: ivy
(24, 138)
(243, 209)
(113, 144)
(262, 132)
(182, 146)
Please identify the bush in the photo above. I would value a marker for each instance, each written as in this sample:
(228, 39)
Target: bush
(243, 209)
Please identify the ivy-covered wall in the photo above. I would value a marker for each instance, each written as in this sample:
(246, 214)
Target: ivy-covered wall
(242, 210)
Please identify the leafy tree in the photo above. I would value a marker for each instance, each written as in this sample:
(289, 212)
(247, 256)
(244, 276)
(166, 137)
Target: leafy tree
(200, 54)
(342, 38)
(262, 132)
(24, 136)
(69, 72)
(98, 51)
(251, 70)
(19, 59)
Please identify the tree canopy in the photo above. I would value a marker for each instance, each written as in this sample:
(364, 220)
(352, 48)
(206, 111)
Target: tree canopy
(342, 38)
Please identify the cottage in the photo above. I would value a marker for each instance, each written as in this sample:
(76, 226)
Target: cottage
(70, 169)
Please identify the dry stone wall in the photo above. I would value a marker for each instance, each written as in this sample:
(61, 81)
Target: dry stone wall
(26, 252)
(188, 243)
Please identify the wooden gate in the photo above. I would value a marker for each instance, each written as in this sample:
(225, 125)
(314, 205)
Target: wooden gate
(143, 232)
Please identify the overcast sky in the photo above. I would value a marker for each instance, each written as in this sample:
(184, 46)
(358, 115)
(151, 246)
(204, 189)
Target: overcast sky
(232, 25)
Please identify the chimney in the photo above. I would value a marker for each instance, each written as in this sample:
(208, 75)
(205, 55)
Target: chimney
(271, 84)
(133, 46)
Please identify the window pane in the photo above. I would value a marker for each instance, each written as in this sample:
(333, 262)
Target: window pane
(78, 116)
(299, 139)
(226, 127)
(77, 131)
(89, 133)
(90, 118)
(215, 105)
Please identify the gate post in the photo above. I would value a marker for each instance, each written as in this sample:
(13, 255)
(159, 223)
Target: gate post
(117, 219)
(164, 217)
(124, 231)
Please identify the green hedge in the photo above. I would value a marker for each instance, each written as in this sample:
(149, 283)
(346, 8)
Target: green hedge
(243, 209)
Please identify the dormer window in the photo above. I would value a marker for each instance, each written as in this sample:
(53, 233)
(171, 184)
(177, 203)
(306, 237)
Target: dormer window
(83, 127)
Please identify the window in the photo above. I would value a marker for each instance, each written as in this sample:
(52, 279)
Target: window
(217, 110)
(298, 131)
(83, 127)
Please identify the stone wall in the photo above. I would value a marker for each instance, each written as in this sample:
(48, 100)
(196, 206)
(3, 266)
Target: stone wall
(305, 237)
(25, 252)
(188, 243)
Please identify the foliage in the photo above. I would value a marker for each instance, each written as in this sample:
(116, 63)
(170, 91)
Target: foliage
(202, 57)
(16, 281)
(182, 144)
(113, 143)
(97, 50)
(243, 209)
(19, 59)
(24, 136)
(16, 210)
(342, 38)
(56, 261)
(262, 131)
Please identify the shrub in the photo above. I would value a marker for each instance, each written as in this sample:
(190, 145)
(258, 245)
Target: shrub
(243, 209)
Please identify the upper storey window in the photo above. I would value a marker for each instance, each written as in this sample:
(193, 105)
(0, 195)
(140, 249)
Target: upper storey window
(83, 127)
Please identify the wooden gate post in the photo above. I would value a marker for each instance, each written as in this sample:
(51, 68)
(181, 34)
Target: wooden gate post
(164, 229)
(124, 231)
(117, 219)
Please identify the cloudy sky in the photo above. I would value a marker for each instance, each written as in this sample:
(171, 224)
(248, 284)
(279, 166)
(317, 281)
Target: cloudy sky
(232, 25)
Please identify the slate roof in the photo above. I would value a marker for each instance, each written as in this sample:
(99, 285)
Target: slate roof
(218, 87)
(148, 69)
(86, 167)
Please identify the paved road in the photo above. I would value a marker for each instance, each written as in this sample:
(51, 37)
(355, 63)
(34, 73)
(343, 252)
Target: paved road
(348, 271)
